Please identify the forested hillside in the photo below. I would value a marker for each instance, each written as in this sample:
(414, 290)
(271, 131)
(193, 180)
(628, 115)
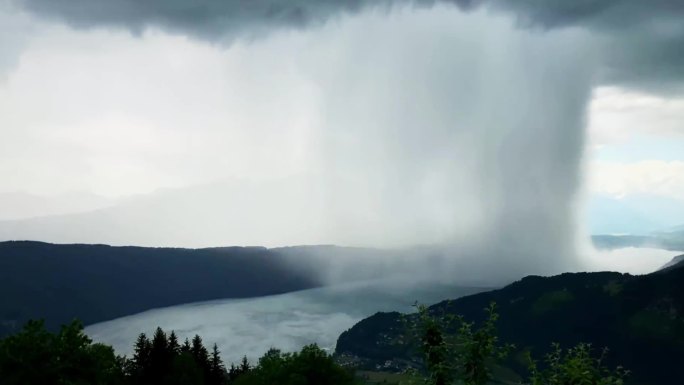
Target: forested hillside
(640, 318)
(97, 282)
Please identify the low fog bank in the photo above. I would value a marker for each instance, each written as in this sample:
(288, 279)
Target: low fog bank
(633, 260)
(289, 321)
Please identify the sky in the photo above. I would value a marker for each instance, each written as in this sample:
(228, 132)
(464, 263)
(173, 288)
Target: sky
(636, 143)
(365, 123)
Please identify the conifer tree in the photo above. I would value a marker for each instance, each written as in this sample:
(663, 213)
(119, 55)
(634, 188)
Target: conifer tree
(233, 373)
(185, 371)
(160, 357)
(142, 349)
(217, 370)
(199, 352)
(244, 365)
(185, 348)
(159, 340)
(141, 359)
(174, 347)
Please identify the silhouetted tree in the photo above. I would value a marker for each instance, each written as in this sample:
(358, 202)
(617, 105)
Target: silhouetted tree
(217, 371)
(174, 347)
(35, 356)
(160, 357)
(237, 371)
(310, 366)
(185, 348)
(185, 371)
(233, 373)
(244, 365)
(141, 360)
(200, 354)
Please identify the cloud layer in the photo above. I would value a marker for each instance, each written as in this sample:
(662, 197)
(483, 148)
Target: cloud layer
(640, 39)
(645, 177)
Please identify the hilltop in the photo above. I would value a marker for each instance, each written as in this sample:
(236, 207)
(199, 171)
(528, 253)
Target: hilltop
(98, 282)
(640, 318)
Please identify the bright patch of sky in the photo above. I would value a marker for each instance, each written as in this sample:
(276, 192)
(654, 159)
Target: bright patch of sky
(636, 144)
(635, 170)
(641, 147)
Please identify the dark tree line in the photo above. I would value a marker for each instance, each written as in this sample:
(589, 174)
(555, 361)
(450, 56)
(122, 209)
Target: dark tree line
(35, 356)
(162, 360)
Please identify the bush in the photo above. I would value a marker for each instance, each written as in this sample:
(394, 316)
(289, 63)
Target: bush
(466, 355)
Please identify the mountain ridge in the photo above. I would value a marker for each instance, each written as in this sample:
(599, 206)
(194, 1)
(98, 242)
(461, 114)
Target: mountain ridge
(99, 282)
(640, 318)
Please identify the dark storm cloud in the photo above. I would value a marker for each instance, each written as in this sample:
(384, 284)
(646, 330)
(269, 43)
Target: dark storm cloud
(218, 16)
(642, 39)
(605, 14)
(208, 19)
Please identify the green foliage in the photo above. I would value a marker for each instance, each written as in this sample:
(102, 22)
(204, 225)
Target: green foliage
(434, 345)
(465, 355)
(641, 318)
(613, 288)
(35, 356)
(456, 351)
(654, 325)
(550, 301)
(310, 366)
(574, 366)
(387, 378)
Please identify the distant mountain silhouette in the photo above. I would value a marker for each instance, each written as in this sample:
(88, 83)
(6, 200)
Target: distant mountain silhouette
(227, 212)
(640, 318)
(634, 214)
(668, 240)
(271, 213)
(22, 206)
(98, 282)
(675, 263)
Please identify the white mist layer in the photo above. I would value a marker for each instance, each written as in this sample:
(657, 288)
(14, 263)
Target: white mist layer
(633, 260)
(288, 322)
